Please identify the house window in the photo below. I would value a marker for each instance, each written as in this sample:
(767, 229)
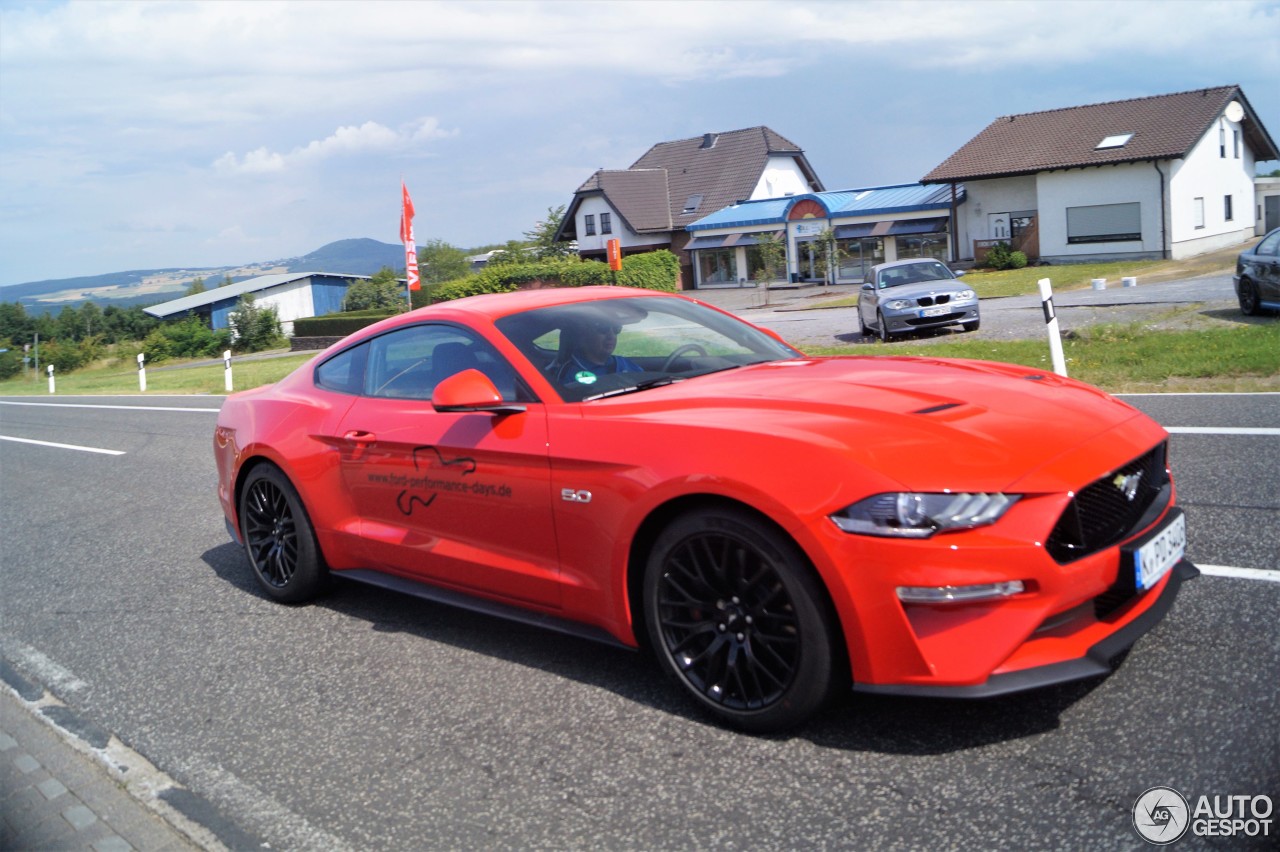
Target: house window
(1197, 209)
(1236, 135)
(1222, 142)
(1104, 223)
(589, 224)
(606, 223)
(1227, 213)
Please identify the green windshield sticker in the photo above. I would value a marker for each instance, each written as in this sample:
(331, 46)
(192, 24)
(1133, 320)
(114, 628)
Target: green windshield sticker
(582, 377)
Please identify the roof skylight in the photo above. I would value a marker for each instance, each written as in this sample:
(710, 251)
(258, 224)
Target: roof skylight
(1117, 141)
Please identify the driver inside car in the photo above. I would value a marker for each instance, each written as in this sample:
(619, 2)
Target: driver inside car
(586, 351)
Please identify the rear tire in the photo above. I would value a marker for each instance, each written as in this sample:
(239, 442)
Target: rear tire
(278, 537)
(738, 618)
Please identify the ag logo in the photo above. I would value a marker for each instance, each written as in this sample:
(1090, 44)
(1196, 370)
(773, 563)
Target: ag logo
(1161, 816)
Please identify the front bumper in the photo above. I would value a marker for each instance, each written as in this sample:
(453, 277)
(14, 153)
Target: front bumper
(911, 321)
(1096, 662)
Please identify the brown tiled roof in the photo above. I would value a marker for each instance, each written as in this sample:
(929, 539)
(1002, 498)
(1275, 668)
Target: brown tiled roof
(639, 195)
(652, 195)
(721, 167)
(1163, 127)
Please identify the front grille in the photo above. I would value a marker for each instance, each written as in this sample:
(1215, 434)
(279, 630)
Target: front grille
(1110, 508)
(926, 301)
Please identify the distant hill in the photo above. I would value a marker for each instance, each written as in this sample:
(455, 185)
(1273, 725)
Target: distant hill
(152, 286)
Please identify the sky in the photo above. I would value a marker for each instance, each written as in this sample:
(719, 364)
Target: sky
(146, 135)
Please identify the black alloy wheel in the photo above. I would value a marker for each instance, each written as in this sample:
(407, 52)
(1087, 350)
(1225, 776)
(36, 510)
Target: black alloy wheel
(278, 537)
(738, 618)
(1249, 303)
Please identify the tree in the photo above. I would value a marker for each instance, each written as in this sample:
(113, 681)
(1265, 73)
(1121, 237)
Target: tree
(542, 239)
(91, 319)
(381, 292)
(439, 262)
(197, 286)
(255, 328)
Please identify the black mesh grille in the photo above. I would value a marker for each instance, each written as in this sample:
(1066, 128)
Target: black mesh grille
(1102, 513)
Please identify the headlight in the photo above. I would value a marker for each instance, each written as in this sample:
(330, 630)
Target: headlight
(965, 295)
(910, 515)
(899, 304)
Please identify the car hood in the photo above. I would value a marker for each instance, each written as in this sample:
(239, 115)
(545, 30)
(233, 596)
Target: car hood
(927, 423)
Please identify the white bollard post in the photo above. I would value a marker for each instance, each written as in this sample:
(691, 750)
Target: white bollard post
(142, 372)
(50, 378)
(1051, 320)
(226, 372)
(1129, 281)
(1099, 283)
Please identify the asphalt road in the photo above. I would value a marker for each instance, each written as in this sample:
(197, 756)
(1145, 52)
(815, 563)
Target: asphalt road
(372, 720)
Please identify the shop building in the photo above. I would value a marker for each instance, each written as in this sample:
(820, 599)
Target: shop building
(865, 226)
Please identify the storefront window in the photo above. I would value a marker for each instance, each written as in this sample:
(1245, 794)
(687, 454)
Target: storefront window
(858, 256)
(923, 245)
(717, 266)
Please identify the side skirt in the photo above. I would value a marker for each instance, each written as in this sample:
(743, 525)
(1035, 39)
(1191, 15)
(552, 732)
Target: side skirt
(461, 600)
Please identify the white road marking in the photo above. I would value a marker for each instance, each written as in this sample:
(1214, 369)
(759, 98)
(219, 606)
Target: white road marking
(63, 446)
(118, 407)
(46, 670)
(1220, 430)
(1240, 573)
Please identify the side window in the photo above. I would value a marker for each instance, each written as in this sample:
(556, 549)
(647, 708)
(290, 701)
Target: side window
(1271, 245)
(344, 372)
(410, 362)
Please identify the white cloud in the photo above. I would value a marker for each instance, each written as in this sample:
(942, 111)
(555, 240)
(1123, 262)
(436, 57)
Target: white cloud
(370, 137)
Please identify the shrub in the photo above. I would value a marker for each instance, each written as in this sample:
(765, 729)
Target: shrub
(337, 325)
(1000, 257)
(657, 270)
(10, 363)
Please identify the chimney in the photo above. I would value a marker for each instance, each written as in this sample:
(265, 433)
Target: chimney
(708, 140)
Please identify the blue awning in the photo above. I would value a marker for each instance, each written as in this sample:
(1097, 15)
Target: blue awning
(728, 240)
(919, 226)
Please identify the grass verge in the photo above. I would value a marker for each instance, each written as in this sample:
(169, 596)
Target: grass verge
(200, 377)
(1131, 358)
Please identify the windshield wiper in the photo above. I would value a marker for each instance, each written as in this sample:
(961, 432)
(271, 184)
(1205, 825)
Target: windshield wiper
(638, 386)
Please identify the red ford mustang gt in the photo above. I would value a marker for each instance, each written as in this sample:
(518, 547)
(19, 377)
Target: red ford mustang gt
(643, 468)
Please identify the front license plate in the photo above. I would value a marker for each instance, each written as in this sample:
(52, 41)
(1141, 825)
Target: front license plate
(1160, 550)
(934, 312)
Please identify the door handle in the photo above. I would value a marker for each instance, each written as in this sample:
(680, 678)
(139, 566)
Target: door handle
(362, 440)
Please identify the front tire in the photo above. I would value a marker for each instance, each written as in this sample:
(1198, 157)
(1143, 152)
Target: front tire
(278, 537)
(971, 326)
(1249, 304)
(737, 617)
(883, 330)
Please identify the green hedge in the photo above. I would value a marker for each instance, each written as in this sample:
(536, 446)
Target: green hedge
(336, 325)
(656, 270)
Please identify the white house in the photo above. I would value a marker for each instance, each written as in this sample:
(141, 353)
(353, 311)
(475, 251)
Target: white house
(647, 206)
(1163, 176)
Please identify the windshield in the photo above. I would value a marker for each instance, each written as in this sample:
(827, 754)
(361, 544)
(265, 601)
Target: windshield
(610, 346)
(914, 273)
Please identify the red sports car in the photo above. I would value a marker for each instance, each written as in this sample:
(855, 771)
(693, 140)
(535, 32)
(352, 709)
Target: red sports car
(642, 468)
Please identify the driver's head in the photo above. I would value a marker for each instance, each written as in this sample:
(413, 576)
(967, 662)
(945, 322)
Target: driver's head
(599, 337)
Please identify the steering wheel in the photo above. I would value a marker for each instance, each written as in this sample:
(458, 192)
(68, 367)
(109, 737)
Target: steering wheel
(686, 349)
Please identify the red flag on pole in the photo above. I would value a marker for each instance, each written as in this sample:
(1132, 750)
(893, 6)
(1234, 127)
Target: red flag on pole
(406, 236)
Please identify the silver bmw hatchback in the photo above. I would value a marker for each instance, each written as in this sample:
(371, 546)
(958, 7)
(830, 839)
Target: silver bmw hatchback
(909, 295)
